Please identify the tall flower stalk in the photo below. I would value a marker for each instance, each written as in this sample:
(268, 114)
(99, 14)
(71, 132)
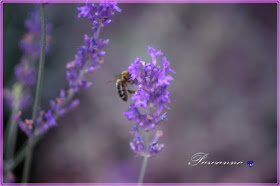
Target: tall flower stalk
(88, 59)
(149, 102)
(28, 157)
(19, 97)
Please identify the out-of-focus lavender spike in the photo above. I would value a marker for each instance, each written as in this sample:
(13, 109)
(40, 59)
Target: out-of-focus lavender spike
(30, 44)
(88, 59)
(25, 71)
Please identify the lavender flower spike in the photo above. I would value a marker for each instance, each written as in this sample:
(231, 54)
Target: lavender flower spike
(99, 15)
(25, 71)
(88, 59)
(90, 56)
(149, 100)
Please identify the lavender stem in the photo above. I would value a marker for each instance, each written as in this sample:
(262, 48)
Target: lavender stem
(28, 157)
(145, 161)
(41, 65)
(10, 144)
(12, 135)
(27, 162)
(143, 170)
(22, 152)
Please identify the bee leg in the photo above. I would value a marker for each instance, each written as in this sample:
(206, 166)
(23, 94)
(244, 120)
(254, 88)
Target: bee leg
(132, 81)
(131, 91)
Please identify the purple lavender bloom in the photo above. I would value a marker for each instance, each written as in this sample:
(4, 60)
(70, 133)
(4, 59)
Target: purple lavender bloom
(153, 53)
(73, 104)
(110, 5)
(9, 97)
(90, 56)
(137, 145)
(135, 70)
(19, 100)
(30, 44)
(26, 100)
(141, 99)
(25, 126)
(57, 106)
(50, 120)
(84, 10)
(40, 120)
(33, 24)
(151, 96)
(99, 15)
(45, 121)
(154, 147)
(25, 74)
(88, 59)
(133, 113)
(152, 82)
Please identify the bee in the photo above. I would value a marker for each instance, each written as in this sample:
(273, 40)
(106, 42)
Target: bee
(122, 80)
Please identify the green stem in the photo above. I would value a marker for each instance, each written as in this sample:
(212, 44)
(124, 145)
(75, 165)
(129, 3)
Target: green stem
(28, 157)
(21, 154)
(143, 170)
(19, 157)
(41, 65)
(145, 161)
(11, 136)
(27, 162)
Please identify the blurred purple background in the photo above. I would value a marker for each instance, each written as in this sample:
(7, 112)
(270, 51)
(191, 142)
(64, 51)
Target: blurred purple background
(223, 98)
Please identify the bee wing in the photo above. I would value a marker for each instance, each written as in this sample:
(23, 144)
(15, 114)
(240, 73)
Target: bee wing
(114, 78)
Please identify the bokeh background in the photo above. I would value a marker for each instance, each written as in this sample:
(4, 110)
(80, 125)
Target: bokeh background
(223, 98)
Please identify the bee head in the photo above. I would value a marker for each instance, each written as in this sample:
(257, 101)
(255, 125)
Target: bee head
(126, 74)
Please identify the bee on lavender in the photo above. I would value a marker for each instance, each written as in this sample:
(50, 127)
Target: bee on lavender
(122, 80)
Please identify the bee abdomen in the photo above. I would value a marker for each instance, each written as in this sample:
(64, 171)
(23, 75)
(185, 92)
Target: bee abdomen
(123, 97)
(121, 90)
